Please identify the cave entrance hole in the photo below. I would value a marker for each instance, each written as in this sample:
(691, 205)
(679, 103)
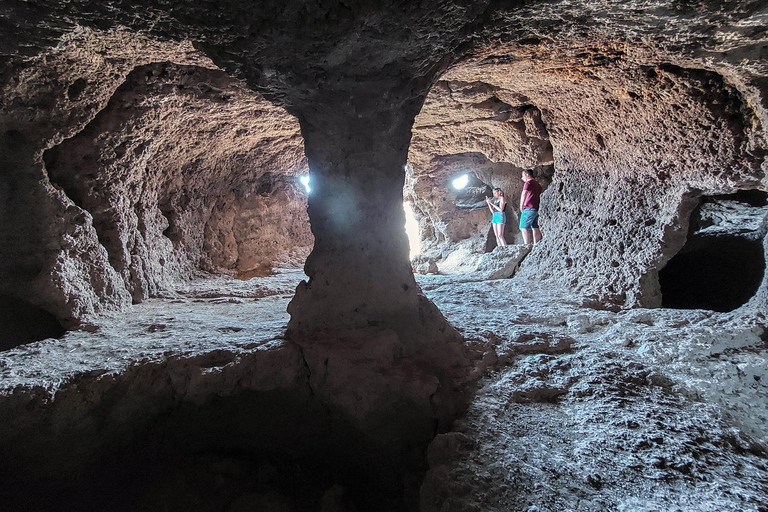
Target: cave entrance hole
(722, 263)
(23, 322)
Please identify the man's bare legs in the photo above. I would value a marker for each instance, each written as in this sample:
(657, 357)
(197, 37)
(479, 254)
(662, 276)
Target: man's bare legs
(527, 236)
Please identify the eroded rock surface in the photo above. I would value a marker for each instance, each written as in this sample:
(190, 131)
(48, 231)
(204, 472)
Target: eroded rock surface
(165, 169)
(578, 408)
(185, 169)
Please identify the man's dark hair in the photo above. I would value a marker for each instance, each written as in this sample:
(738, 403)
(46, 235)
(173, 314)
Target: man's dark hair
(530, 173)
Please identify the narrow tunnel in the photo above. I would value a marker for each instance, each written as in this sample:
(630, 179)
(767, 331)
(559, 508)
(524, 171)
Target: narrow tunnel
(722, 263)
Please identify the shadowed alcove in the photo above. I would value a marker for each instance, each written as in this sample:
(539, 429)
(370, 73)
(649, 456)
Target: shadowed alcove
(23, 322)
(722, 263)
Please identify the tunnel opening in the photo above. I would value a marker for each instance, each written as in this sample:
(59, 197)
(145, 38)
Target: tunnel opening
(224, 196)
(280, 450)
(25, 323)
(722, 263)
(472, 192)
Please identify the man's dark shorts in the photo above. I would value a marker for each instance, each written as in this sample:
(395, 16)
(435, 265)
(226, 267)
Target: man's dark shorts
(529, 219)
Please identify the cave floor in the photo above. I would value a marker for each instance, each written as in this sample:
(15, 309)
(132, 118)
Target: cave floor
(577, 408)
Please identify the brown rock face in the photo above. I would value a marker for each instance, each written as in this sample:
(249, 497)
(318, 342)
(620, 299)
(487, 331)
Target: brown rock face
(634, 147)
(181, 183)
(51, 256)
(182, 169)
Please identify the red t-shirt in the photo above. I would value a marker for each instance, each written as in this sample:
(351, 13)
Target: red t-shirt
(532, 199)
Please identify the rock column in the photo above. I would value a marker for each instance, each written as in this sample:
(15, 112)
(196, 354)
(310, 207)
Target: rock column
(360, 274)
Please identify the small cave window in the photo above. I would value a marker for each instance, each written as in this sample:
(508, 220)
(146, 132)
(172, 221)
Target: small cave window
(472, 193)
(305, 181)
(460, 182)
(25, 323)
(722, 263)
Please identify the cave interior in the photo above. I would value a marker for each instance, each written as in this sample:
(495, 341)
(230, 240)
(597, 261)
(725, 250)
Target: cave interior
(209, 300)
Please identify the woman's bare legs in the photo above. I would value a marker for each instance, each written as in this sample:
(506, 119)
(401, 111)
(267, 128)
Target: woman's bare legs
(498, 230)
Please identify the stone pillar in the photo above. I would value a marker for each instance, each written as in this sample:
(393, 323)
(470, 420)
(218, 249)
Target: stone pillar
(359, 270)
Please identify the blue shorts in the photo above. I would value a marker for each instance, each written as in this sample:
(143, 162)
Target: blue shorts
(499, 218)
(529, 219)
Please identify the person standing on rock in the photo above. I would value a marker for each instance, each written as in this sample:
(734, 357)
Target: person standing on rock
(529, 208)
(499, 217)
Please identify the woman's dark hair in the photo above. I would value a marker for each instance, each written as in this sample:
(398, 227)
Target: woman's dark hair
(501, 192)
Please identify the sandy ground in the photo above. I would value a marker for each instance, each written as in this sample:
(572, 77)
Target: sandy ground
(578, 408)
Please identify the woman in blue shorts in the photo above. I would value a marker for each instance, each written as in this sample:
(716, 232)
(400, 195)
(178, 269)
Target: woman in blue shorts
(499, 217)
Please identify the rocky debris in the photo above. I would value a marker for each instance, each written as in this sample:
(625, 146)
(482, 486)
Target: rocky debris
(592, 410)
(502, 262)
(424, 265)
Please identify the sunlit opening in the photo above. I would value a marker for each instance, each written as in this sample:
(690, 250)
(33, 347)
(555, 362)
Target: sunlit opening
(461, 182)
(305, 181)
(412, 230)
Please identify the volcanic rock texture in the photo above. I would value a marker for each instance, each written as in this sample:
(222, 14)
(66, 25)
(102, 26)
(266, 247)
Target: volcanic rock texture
(122, 178)
(625, 140)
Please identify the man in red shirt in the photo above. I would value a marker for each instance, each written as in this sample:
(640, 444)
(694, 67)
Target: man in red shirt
(529, 208)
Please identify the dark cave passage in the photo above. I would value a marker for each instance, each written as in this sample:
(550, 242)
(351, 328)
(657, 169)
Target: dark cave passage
(722, 263)
(280, 450)
(24, 323)
(717, 273)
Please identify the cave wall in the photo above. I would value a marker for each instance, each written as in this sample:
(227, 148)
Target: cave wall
(634, 142)
(51, 256)
(113, 168)
(176, 170)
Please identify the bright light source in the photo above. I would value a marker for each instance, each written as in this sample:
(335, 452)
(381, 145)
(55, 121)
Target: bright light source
(305, 181)
(412, 230)
(461, 182)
